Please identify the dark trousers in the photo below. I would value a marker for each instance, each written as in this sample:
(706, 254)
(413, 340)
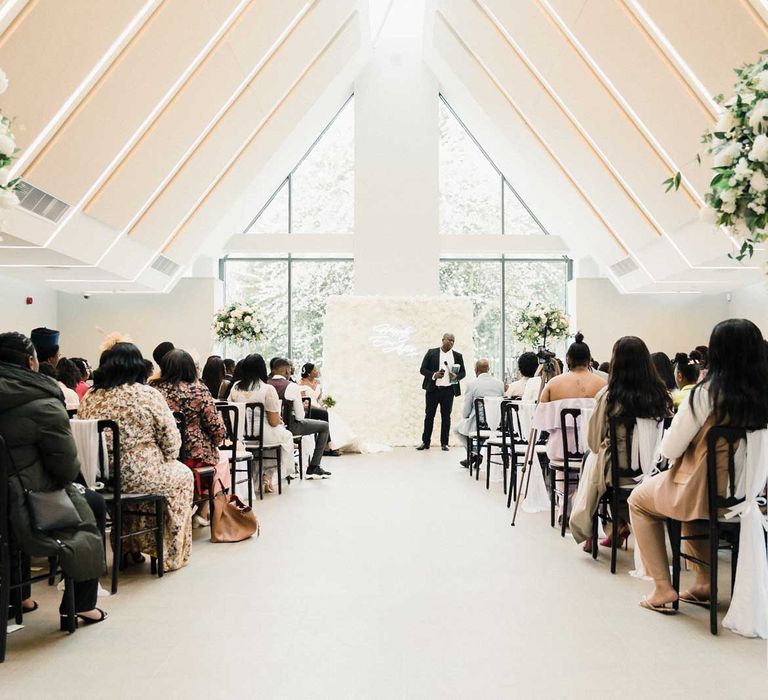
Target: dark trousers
(439, 396)
(85, 591)
(319, 414)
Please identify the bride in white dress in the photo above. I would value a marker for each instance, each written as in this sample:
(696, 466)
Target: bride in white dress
(343, 438)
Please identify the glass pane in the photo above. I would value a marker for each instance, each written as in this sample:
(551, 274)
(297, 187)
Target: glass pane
(470, 187)
(265, 283)
(481, 281)
(312, 282)
(517, 219)
(274, 219)
(323, 186)
(526, 280)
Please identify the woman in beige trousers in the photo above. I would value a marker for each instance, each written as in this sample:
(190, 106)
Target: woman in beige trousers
(735, 392)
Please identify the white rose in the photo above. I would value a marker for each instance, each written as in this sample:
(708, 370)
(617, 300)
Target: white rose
(708, 215)
(759, 151)
(726, 122)
(8, 199)
(758, 182)
(231, 325)
(756, 207)
(742, 171)
(762, 81)
(758, 116)
(728, 207)
(7, 145)
(3, 82)
(726, 155)
(729, 196)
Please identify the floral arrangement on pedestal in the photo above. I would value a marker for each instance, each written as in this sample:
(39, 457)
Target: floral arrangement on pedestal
(739, 145)
(237, 323)
(536, 324)
(8, 153)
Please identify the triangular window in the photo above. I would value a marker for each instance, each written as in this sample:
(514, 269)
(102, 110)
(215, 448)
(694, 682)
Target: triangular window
(318, 195)
(475, 197)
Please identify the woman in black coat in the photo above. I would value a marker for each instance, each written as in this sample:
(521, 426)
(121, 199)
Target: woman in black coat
(35, 427)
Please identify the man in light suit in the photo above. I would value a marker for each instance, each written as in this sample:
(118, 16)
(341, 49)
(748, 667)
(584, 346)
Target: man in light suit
(442, 369)
(483, 386)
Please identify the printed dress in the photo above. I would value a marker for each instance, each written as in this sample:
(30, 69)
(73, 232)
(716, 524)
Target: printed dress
(149, 445)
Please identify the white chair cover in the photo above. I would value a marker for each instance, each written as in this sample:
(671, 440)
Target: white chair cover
(646, 453)
(86, 435)
(748, 612)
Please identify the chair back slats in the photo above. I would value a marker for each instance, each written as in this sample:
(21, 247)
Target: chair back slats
(231, 418)
(181, 426)
(621, 460)
(569, 421)
(732, 436)
(254, 417)
(109, 474)
(480, 417)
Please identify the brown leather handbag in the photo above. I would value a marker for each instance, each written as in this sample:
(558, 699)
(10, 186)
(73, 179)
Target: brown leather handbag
(231, 520)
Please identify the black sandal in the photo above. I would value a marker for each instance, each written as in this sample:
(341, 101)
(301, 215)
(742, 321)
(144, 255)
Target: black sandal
(85, 620)
(23, 610)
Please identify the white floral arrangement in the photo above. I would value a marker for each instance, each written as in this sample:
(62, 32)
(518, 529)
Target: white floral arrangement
(739, 145)
(238, 323)
(8, 153)
(536, 324)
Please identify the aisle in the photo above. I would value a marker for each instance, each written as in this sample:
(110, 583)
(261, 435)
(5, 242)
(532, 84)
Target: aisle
(398, 578)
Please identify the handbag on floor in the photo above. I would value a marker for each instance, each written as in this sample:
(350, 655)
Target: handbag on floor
(231, 520)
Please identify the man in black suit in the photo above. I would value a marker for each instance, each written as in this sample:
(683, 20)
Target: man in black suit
(442, 369)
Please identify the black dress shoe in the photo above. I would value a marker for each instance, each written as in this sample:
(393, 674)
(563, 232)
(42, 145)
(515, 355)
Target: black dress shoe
(444, 448)
(423, 446)
(464, 463)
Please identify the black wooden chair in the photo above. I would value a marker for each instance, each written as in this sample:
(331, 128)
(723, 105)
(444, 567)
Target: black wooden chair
(287, 415)
(204, 476)
(476, 442)
(253, 441)
(122, 507)
(11, 558)
(498, 443)
(721, 533)
(569, 469)
(231, 417)
(518, 442)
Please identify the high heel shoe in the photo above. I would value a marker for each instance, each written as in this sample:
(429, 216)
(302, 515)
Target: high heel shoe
(624, 533)
(85, 620)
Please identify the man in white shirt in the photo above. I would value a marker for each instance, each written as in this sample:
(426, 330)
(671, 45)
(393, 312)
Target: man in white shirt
(442, 369)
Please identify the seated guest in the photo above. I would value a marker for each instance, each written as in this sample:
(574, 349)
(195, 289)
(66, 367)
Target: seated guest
(35, 427)
(226, 384)
(46, 342)
(664, 367)
(579, 385)
(149, 446)
(300, 425)
(205, 429)
(734, 392)
(634, 390)
(68, 376)
(605, 368)
(82, 385)
(229, 368)
(252, 386)
(160, 351)
(527, 387)
(687, 373)
(700, 355)
(213, 374)
(484, 385)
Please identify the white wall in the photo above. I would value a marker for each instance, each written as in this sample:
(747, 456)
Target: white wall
(666, 322)
(183, 316)
(17, 315)
(752, 303)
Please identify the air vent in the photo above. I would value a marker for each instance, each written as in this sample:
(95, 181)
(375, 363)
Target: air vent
(165, 266)
(624, 267)
(40, 203)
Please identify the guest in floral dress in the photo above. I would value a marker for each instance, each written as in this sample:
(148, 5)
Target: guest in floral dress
(183, 392)
(149, 445)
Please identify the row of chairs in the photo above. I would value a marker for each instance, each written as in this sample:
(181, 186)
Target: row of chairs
(564, 476)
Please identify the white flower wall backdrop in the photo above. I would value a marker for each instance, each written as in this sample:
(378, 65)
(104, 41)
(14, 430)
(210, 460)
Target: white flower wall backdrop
(373, 347)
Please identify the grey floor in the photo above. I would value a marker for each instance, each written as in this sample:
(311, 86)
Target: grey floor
(398, 578)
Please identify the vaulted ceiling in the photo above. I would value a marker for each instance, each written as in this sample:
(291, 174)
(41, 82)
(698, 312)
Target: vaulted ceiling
(155, 120)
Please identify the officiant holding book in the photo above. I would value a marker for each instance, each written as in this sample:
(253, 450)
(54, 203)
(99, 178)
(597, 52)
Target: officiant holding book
(442, 369)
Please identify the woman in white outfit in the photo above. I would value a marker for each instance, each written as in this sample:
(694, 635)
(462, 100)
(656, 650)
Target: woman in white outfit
(343, 438)
(253, 387)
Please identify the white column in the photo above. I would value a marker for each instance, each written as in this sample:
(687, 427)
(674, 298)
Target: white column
(396, 173)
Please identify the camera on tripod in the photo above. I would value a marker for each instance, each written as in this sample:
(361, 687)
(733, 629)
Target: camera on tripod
(547, 359)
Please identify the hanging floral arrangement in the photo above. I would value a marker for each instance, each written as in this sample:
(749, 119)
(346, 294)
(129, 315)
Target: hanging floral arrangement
(8, 153)
(738, 144)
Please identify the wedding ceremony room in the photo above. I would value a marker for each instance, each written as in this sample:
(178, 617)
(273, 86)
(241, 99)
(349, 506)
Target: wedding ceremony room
(446, 319)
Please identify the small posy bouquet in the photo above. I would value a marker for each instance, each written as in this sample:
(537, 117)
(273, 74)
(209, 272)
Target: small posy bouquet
(238, 323)
(328, 401)
(536, 324)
